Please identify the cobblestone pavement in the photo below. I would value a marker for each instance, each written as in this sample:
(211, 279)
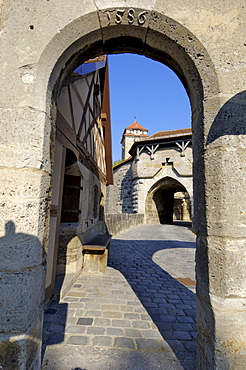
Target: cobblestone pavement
(139, 315)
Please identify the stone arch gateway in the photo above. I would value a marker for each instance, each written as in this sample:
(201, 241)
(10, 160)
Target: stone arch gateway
(204, 44)
(160, 200)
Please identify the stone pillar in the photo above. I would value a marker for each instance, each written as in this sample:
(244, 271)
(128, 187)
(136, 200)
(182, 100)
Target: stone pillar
(221, 243)
(24, 200)
(185, 210)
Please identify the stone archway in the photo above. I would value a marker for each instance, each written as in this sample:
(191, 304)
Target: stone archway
(159, 38)
(160, 200)
(171, 34)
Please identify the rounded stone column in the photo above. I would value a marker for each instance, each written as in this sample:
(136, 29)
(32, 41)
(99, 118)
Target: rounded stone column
(221, 243)
(24, 211)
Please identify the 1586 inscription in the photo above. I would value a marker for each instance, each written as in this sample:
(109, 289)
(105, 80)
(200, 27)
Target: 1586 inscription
(131, 15)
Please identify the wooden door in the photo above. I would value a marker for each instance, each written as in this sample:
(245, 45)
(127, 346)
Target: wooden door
(70, 202)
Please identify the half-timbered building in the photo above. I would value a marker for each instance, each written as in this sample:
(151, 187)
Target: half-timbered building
(203, 42)
(82, 168)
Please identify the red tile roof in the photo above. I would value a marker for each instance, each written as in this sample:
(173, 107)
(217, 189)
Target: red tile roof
(179, 132)
(139, 135)
(137, 126)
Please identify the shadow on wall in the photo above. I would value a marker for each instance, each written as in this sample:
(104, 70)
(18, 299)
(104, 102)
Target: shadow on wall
(22, 266)
(126, 192)
(69, 262)
(230, 120)
(55, 317)
(225, 132)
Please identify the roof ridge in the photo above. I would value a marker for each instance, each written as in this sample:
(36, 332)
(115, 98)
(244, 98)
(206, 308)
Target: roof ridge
(171, 132)
(136, 125)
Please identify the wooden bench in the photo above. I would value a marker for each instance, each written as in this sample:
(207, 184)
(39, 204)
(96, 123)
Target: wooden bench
(95, 254)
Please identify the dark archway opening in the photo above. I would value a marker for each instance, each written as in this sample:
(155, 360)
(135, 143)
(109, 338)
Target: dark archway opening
(167, 200)
(164, 200)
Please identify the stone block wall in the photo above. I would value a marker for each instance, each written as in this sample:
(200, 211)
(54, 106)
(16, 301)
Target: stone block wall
(116, 223)
(90, 223)
(119, 195)
(134, 178)
(204, 43)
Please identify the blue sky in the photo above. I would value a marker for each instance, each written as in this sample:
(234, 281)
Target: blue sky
(148, 89)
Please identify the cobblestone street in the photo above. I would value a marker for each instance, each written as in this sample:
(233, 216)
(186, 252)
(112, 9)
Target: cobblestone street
(139, 315)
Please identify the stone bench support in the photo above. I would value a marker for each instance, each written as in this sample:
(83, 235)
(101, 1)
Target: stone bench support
(95, 254)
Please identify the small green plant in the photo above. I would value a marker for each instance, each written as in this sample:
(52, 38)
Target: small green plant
(118, 162)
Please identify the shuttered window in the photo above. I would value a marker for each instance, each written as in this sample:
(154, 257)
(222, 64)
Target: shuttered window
(70, 201)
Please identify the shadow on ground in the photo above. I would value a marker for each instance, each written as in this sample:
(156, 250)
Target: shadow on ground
(170, 304)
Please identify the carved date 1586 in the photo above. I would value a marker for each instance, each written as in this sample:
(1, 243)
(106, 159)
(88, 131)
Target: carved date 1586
(131, 15)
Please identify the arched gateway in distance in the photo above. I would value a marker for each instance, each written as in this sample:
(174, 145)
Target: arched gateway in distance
(204, 43)
(162, 206)
(156, 180)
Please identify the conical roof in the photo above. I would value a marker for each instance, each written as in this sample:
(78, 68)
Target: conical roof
(136, 126)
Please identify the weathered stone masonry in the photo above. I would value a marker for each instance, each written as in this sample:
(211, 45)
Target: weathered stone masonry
(119, 195)
(156, 180)
(204, 43)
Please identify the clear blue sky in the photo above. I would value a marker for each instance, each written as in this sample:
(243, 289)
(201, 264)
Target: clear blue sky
(148, 89)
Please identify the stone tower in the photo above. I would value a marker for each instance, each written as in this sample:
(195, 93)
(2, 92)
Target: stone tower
(132, 133)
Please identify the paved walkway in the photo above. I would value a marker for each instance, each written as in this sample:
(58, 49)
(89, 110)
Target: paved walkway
(139, 315)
